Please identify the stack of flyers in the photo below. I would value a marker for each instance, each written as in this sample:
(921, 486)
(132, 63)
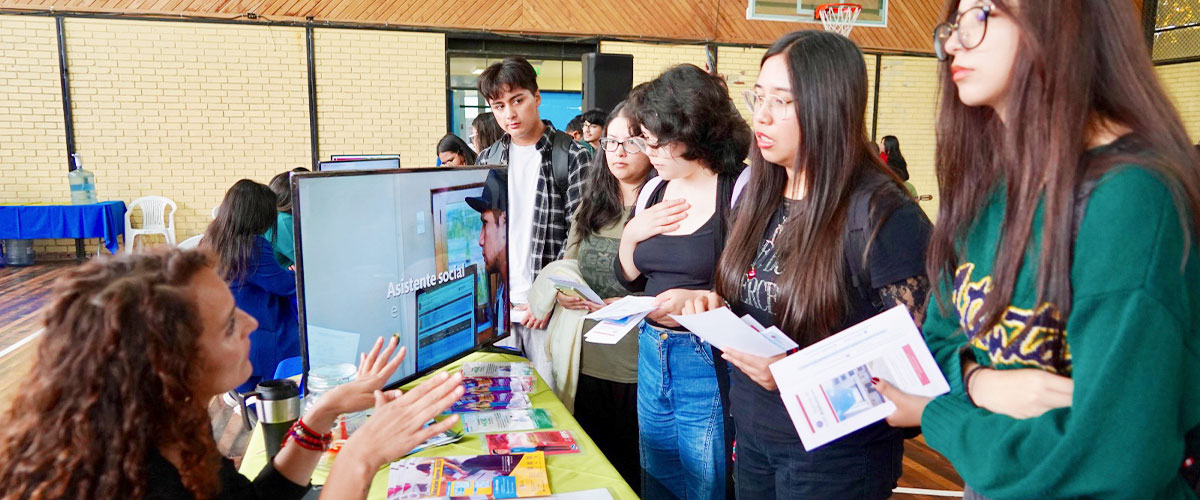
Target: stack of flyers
(447, 437)
(619, 318)
(482, 477)
(548, 442)
(477, 370)
(505, 421)
(484, 385)
(491, 401)
(725, 330)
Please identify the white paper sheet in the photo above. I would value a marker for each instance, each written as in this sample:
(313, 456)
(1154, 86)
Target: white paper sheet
(827, 389)
(723, 329)
(611, 331)
(627, 306)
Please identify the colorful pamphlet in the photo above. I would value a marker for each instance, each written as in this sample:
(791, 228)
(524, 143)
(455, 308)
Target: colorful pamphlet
(505, 421)
(491, 401)
(484, 385)
(548, 442)
(447, 437)
(481, 477)
(475, 370)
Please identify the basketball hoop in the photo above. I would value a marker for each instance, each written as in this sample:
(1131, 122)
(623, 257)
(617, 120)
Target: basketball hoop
(838, 17)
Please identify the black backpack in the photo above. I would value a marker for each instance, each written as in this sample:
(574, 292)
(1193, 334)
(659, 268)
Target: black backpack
(559, 158)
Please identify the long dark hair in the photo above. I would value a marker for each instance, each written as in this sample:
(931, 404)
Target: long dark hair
(111, 383)
(602, 204)
(1077, 63)
(455, 144)
(247, 211)
(487, 131)
(686, 104)
(895, 159)
(829, 84)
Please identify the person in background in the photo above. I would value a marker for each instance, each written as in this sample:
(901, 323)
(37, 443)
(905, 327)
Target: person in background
(261, 286)
(281, 234)
(593, 126)
(115, 405)
(606, 395)
(696, 140)
(895, 160)
(485, 132)
(454, 152)
(575, 128)
(492, 206)
(542, 204)
(1067, 278)
(786, 263)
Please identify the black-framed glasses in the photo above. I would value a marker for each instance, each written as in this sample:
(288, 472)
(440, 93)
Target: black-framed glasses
(632, 145)
(971, 26)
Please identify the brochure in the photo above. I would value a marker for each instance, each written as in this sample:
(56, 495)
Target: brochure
(724, 330)
(576, 289)
(476, 370)
(611, 331)
(827, 389)
(482, 477)
(447, 437)
(484, 385)
(548, 442)
(505, 421)
(624, 308)
(491, 401)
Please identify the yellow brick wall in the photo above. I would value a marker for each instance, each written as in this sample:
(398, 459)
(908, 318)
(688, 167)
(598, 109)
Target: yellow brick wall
(651, 59)
(739, 66)
(908, 100)
(381, 92)
(1183, 84)
(184, 110)
(33, 165)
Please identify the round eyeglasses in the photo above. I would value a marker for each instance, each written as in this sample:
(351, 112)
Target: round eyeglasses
(971, 26)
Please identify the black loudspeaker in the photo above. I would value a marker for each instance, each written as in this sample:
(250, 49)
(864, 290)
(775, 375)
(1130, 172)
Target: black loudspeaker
(607, 79)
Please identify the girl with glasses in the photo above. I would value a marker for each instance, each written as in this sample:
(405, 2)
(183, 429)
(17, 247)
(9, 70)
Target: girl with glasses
(696, 140)
(786, 263)
(1067, 303)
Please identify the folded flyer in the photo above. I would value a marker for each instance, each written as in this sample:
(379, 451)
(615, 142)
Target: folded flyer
(484, 385)
(576, 289)
(491, 401)
(482, 477)
(611, 331)
(724, 330)
(548, 442)
(826, 387)
(479, 369)
(505, 421)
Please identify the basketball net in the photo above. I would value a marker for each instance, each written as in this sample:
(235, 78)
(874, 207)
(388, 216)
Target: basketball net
(839, 17)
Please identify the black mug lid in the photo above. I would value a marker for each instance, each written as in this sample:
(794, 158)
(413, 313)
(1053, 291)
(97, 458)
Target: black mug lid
(278, 389)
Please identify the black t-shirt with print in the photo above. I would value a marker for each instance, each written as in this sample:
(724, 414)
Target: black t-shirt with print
(896, 253)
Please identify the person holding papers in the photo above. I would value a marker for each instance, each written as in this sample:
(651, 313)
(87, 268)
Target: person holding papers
(1067, 318)
(606, 398)
(696, 140)
(787, 263)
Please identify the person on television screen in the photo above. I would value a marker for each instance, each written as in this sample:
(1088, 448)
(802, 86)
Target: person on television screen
(492, 206)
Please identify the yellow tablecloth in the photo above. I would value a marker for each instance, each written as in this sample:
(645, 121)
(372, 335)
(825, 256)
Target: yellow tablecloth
(586, 470)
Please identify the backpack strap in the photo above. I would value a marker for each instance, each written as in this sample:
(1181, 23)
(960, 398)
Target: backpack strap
(742, 179)
(560, 161)
(647, 192)
(494, 154)
(857, 229)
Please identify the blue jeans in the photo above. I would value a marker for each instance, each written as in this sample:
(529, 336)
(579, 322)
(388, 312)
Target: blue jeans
(679, 417)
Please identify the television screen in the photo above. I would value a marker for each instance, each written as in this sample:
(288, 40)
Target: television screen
(363, 157)
(419, 253)
(363, 164)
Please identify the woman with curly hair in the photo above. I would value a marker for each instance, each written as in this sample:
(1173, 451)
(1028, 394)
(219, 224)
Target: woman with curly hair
(134, 349)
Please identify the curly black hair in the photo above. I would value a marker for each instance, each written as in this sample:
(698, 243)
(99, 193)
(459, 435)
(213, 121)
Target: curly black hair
(688, 105)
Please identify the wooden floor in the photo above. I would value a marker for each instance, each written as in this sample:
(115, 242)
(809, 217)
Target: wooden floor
(25, 290)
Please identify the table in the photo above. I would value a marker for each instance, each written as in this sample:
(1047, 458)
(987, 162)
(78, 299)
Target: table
(104, 220)
(586, 470)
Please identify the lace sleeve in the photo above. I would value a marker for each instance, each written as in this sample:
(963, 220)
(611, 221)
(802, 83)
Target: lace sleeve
(912, 293)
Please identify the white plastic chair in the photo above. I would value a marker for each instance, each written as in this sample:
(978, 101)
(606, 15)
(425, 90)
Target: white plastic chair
(156, 219)
(191, 243)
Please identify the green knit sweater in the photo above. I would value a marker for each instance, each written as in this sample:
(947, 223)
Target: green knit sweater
(1132, 346)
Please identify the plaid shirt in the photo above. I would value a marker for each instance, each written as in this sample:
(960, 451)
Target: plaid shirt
(553, 211)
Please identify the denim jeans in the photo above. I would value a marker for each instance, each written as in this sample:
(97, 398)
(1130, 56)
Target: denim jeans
(679, 417)
(770, 468)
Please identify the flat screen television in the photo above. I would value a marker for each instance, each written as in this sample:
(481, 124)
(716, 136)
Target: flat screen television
(384, 252)
(361, 164)
(363, 157)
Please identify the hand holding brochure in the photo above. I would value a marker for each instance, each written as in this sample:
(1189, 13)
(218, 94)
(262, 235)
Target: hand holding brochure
(571, 287)
(724, 330)
(618, 319)
(627, 306)
(827, 389)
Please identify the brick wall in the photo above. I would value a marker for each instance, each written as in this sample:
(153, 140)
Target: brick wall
(908, 100)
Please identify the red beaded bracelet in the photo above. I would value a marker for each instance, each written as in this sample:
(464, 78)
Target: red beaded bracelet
(307, 438)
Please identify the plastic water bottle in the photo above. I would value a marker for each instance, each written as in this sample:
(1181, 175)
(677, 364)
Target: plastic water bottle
(83, 184)
(322, 379)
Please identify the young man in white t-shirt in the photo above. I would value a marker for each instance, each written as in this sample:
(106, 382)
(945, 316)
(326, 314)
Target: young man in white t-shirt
(539, 210)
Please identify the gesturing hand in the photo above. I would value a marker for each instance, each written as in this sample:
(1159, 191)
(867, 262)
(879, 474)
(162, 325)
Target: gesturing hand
(398, 423)
(658, 219)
